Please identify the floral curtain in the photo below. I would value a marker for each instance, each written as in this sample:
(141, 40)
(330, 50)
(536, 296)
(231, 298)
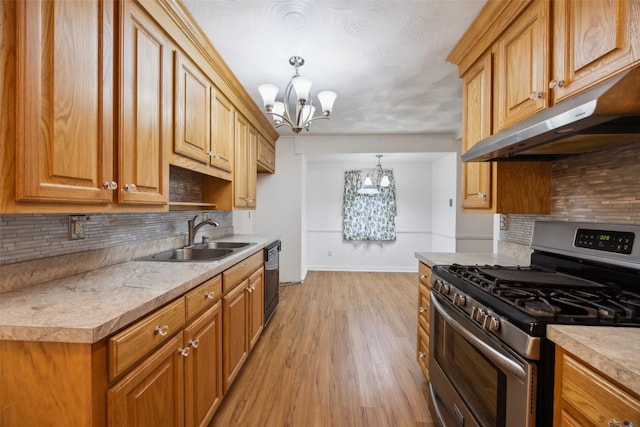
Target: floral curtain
(368, 216)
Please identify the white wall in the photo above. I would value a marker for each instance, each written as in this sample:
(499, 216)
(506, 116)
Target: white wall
(444, 202)
(280, 210)
(324, 192)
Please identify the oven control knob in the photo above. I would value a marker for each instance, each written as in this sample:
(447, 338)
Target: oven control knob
(437, 284)
(478, 314)
(491, 323)
(445, 288)
(459, 300)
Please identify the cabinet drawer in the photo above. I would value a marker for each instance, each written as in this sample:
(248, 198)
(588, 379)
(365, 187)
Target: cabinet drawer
(203, 296)
(424, 304)
(424, 274)
(597, 398)
(127, 347)
(236, 274)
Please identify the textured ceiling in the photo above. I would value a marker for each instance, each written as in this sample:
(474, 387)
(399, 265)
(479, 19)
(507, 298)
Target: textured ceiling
(385, 59)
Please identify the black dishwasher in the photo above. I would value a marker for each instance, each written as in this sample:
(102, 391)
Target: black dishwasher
(271, 279)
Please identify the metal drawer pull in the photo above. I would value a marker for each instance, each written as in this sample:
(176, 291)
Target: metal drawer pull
(423, 309)
(422, 355)
(556, 83)
(616, 423)
(423, 276)
(184, 351)
(482, 195)
(130, 187)
(535, 95)
(110, 185)
(194, 343)
(209, 295)
(161, 330)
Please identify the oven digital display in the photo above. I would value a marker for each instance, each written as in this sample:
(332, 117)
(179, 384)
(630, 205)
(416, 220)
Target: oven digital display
(610, 241)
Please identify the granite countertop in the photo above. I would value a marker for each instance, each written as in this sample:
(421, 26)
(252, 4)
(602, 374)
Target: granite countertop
(87, 307)
(468, 258)
(611, 350)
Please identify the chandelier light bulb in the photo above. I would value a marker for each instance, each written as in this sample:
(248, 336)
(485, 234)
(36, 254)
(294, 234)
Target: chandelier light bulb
(327, 98)
(268, 93)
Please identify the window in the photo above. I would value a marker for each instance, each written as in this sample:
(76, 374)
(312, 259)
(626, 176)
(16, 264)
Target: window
(368, 216)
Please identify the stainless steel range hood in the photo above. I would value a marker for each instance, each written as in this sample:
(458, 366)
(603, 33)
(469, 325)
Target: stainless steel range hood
(606, 115)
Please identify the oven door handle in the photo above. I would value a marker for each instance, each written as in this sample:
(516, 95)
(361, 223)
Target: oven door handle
(495, 356)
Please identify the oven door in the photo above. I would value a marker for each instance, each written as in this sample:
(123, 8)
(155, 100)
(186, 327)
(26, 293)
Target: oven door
(475, 380)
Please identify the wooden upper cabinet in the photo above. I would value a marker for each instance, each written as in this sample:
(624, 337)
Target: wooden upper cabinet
(64, 147)
(592, 42)
(521, 77)
(145, 113)
(193, 113)
(223, 142)
(476, 125)
(266, 155)
(245, 171)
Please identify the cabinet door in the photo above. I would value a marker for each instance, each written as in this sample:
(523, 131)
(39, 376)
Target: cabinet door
(203, 367)
(193, 115)
(266, 156)
(476, 125)
(146, 109)
(246, 172)
(592, 43)
(153, 393)
(224, 135)
(521, 66)
(256, 306)
(252, 167)
(64, 100)
(235, 317)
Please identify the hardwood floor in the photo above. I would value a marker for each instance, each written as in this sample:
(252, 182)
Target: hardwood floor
(339, 351)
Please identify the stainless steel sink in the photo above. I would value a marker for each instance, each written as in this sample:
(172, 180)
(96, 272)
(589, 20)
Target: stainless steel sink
(223, 245)
(190, 254)
(202, 252)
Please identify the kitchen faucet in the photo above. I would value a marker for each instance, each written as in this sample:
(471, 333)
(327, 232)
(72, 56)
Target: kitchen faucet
(193, 228)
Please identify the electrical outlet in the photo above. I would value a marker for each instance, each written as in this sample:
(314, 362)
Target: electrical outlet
(76, 227)
(205, 216)
(504, 222)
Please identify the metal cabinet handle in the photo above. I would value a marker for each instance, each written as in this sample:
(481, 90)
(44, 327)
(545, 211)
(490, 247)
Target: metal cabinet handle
(616, 423)
(423, 276)
(194, 343)
(130, 187)
(556, 83)
(423, 309)
(482, 195)
(110, 185)
(422, 355)
(184, 351)
(212, 154)
(161, 330)
(535, 95)
(209, 295)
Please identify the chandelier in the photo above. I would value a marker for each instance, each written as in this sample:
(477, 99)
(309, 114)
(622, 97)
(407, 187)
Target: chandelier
(297, 113)
(375, 180)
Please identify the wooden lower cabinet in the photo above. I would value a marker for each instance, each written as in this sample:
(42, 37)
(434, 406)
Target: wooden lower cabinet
(585, 397)
(256, 306)
(424, 311)
(203, 367)
(243, 313)
(178, 385)
(236, 339)
(153, 393)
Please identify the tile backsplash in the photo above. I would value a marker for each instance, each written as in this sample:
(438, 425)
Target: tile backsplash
(603, 186)
(29, 237)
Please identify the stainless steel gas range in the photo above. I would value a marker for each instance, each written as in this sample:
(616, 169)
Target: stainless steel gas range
(489, 360)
